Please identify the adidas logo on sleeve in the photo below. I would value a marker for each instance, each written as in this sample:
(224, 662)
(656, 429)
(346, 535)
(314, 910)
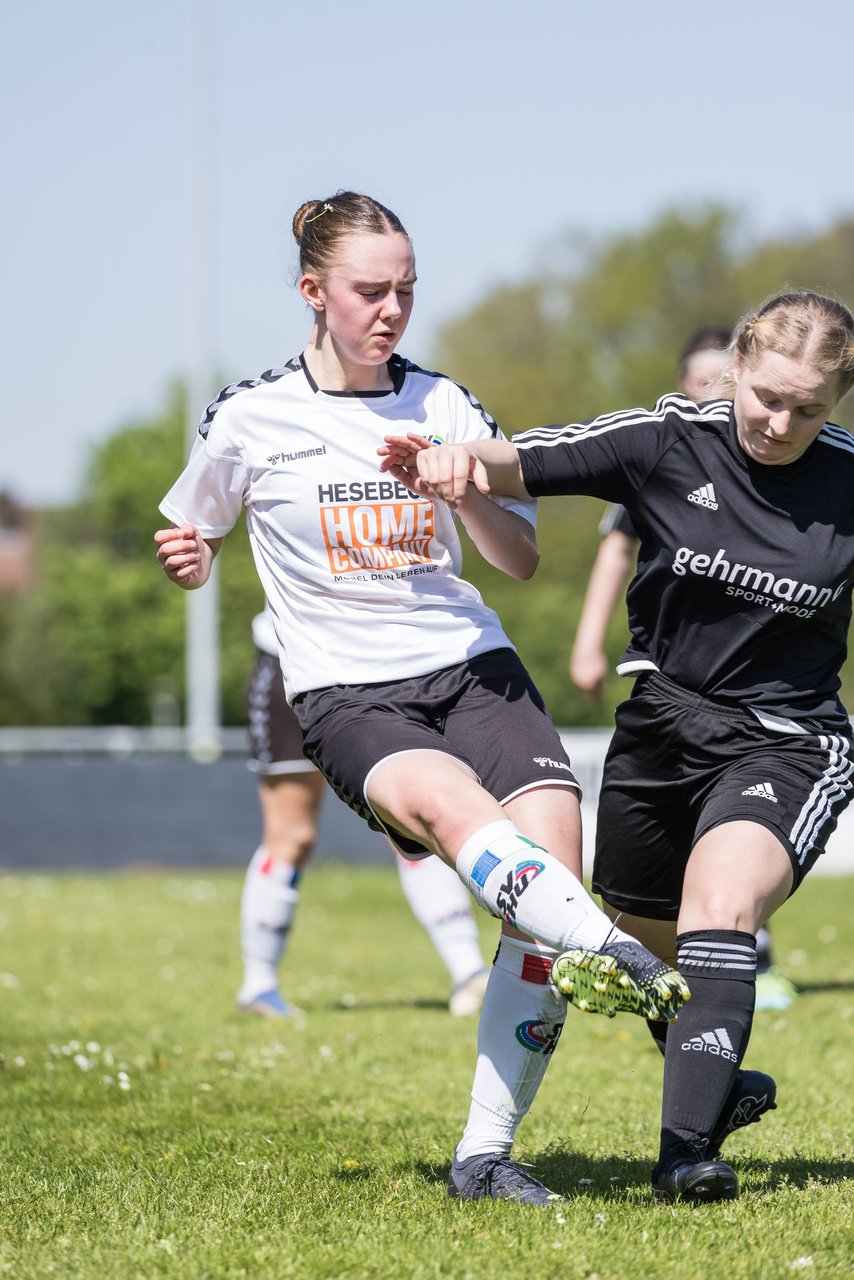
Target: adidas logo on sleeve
(704, 497)
(762, 789)
(714, 1042)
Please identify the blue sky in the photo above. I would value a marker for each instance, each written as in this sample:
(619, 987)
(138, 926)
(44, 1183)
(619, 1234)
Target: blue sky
(489, 127)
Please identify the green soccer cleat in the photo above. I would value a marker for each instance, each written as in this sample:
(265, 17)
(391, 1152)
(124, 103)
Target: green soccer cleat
(621, 978)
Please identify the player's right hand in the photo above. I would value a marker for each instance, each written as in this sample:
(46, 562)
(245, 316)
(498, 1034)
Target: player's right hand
(183, 555)
(588, 672)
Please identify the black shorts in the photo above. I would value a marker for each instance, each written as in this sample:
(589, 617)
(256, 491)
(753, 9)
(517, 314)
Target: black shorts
(275, 738)
(486, 713)
(679, 765)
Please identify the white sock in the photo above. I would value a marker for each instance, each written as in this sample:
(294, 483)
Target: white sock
(520, 1023)
(441, 904)
(267, 910)
(522, 883)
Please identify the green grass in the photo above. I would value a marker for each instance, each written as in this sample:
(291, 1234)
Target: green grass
(242, 1147)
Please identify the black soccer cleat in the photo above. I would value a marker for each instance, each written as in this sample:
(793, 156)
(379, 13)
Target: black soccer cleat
(684, 1177)
(622, 977)
(497, 1177)
(752, 1094)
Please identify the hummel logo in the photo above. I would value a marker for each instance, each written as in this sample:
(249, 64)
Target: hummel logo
(298, 456)
(704, 497)
(545, 761)
(763, 789)
(715, 1042)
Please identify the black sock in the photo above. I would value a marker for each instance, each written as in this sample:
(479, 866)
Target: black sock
(707, 1043)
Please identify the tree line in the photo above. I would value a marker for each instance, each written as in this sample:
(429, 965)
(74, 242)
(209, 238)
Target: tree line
(99, 638)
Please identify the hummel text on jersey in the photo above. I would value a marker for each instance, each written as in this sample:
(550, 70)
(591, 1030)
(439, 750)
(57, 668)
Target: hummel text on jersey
(717, 1043)
(704, 497)
(298, 456)
(756, 586)
(762, 789)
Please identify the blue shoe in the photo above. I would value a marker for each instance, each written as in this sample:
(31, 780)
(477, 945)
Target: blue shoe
(497, 1177)
(269, 1004)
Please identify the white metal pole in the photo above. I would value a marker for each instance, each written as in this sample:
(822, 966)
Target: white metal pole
(203, 739)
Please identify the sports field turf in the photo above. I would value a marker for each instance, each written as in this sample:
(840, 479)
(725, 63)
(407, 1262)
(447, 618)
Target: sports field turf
(149, 1130)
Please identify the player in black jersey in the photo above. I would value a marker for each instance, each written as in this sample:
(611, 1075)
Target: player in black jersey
(732, 759)
(702, 361)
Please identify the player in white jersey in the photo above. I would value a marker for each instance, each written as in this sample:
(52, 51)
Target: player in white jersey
(732, 759)
(290, 794)
(411, 699)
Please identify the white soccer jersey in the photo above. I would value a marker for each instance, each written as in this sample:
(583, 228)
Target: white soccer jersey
(362, 577)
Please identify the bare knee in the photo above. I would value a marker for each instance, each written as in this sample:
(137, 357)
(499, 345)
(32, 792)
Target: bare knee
(658, 936)
(432, 797)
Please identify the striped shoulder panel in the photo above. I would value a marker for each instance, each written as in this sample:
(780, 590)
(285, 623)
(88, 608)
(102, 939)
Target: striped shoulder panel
(671, 405)
(838, 437)
(234, 388)
(407, 366)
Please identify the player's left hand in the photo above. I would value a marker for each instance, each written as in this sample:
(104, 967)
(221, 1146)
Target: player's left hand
(400, 459)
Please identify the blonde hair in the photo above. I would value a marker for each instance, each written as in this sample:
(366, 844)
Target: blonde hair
(801, 326)
(320, 225)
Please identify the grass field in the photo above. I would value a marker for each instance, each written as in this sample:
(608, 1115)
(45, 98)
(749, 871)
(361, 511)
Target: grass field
(151, 1131)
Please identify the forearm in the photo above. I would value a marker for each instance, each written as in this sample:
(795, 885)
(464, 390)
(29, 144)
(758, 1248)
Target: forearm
(503, 469)
(604, 590)
(505, 539)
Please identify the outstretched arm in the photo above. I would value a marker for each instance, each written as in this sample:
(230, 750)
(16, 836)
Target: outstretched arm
(185, 556)
(445, 471)
(505, 539)
(588, 665)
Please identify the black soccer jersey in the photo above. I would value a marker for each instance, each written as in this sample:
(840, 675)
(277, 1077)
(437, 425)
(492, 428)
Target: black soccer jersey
(617, 520)
(745, 571)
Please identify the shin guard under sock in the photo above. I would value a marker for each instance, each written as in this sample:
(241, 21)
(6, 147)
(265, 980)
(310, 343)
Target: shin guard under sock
(707, 1044)
(522, 883)
(520, 1023)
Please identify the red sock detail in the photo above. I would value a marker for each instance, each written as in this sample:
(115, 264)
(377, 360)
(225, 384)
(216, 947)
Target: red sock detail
(536, 969)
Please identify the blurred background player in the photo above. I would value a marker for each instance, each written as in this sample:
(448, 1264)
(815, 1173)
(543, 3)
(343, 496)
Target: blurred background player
(702, 361)
(290, 791)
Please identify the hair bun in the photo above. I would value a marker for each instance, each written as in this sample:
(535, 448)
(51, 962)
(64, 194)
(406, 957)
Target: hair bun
(303, 213)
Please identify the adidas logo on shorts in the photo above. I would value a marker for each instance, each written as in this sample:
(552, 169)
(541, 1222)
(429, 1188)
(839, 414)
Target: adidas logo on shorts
(714, 1042)
(704, 497)
(762, 789)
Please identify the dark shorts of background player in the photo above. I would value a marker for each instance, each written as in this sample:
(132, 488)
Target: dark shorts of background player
(485, 712)
(275, 738)
(679, 765)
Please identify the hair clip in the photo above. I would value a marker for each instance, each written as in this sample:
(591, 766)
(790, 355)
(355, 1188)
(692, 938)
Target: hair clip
(327, 208)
